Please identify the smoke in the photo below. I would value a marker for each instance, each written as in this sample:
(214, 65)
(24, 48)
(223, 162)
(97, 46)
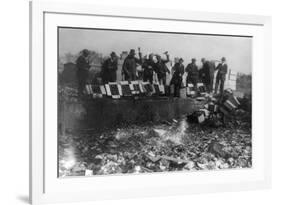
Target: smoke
(175, 133)
(68, 160)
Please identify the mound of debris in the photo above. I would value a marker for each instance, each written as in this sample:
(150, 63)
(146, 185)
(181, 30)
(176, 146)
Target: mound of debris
(223, 110)
(155, 148)
(216, 136)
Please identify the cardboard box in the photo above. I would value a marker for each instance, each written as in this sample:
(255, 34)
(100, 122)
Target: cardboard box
(113, 89)
(197, 117)
(212, 107)
(201, 88)
(136, 87)
(233, 99)
(148, 88)
(125, 88)
(229, 105)
(190, 90)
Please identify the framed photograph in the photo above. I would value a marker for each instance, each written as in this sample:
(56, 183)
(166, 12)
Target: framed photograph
(130, 102)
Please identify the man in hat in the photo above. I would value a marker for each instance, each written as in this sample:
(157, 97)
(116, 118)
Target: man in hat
(192, 73)
(222, 70)
(129, 68)
(83, 66)
(148, 66)
(178, 71)
(207, 74)
(109, 68)
(161, 69)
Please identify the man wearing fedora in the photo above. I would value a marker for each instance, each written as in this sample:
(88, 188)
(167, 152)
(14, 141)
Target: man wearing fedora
(161, 69)
(178, 71)
(192, 73)
(220, 79)
(129, 68)
(109, 68)
(148, 68)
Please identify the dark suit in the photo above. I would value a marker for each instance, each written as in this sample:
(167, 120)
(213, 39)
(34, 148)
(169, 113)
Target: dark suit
(148, 67)
(130, 67)
(207, 75)
(109, 69)
(178, 71)
(220, 79)
(161, 69)
(193, 74)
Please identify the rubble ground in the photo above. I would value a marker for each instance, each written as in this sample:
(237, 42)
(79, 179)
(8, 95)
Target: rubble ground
(167, 146)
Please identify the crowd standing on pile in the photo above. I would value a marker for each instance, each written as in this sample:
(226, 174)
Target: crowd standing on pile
(154, 64)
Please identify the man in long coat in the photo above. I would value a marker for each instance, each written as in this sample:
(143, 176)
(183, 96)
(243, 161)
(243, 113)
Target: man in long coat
(83, 66)
(220, 79)
(148, 69)
(129, 68)
(192, 73)
(178, 71)
(109, 68)
(207, 74)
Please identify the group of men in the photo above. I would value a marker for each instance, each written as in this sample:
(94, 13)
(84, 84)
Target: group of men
(204, 75)
(151, 64)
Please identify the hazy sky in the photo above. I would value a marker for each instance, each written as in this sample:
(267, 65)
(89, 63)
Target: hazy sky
(237, 50)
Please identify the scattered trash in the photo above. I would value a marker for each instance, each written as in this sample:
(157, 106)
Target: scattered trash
(216, 136)
(156, 148)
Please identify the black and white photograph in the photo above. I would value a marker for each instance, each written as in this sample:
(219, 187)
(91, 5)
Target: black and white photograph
(138, 102)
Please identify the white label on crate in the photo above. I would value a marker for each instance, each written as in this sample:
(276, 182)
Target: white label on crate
(108, 90)
(140, 87)
(230, 103)
(102, 88)
(88, 90)
(91, 90)
(131, 87)
(237, 101)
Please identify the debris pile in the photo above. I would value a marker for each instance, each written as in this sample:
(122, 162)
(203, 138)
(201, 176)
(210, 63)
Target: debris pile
(168, 146)
(216, 136)
(222, 109)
